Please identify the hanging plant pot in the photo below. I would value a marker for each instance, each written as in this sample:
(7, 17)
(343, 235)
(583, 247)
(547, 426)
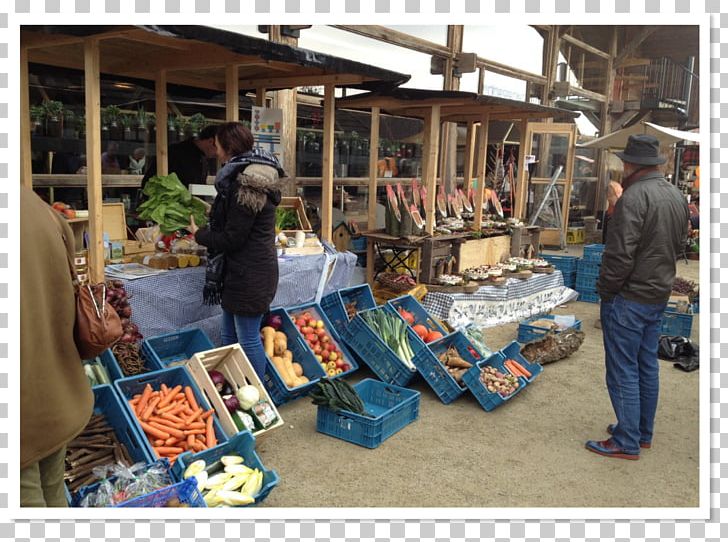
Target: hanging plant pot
(53, 127)
(142, 134)
(128, 134)
(37, 128)
(115, 131)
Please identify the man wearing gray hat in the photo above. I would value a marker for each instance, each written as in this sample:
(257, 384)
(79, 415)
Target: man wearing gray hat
(646, 234)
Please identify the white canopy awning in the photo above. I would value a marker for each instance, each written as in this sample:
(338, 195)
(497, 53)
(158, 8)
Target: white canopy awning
(618, 139)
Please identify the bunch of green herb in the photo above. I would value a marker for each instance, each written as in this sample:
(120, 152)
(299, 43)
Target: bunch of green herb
(170, 204)
(286, 219)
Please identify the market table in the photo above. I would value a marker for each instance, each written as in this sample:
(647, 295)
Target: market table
(490, 306)
(173, 300)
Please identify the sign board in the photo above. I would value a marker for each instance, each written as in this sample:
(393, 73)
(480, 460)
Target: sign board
(267, 128)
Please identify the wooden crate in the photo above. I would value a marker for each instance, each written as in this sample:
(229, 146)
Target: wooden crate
(488, 251)
(114, 223)
(297, 204)
(433, 250)
(232, 362)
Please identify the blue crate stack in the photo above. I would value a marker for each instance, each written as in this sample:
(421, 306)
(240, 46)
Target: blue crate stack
(565, 264)
(587, 273)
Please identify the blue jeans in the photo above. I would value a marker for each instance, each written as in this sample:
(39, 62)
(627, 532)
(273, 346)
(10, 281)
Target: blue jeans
(246, 331)
(631, 332)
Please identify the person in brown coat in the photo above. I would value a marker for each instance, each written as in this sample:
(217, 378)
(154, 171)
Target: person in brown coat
(56, 401)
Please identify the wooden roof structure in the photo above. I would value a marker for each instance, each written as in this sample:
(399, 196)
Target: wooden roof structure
(195, 56)
(435, 107)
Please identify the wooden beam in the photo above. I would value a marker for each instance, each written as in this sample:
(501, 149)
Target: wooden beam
(482, 171)
(372, 197)
(160, 112)
(429, 164)
(481, 79)
(578, 91)
(509, 71)
(302, 80)
(521, 188)
(633, 44)
(395, 37)
(232, 97)
(26, 162)
(260, 96)
(584, 46)
(327, 182)
(469, 155)
(92, 90)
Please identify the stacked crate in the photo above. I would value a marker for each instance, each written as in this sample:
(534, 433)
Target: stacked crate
(587, 273)
(565, 264)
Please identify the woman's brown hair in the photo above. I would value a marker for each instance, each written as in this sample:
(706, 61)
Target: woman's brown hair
(234, 138)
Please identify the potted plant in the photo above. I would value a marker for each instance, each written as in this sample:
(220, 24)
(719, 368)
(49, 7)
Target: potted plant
(197, 122)
(171, 128)
(37, 120)
(69, 124)
(183, 126)
(142, 124)
(54, 117)
(126, 122)
(80, 121)
(113, 114)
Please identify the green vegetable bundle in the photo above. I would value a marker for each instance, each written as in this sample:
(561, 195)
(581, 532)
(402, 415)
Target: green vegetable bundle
(170, 204)
(393, 331)
(338, 395)
(286, 219)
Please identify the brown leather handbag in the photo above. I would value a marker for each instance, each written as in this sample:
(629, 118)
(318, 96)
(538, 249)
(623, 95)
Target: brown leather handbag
(97, 326)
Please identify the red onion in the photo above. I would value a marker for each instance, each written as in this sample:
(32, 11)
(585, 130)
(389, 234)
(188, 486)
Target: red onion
(218, 380)
(274, 321)
(231, 403)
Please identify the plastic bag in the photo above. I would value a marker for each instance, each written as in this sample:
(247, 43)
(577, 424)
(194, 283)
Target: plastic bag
(120, 483)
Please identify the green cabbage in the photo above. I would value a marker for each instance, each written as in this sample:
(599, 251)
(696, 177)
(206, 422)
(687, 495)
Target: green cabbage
(170, 204)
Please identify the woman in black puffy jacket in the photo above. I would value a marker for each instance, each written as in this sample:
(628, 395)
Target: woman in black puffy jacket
(242, 271)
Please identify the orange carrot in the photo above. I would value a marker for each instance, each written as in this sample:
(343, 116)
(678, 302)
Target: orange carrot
(144, 399)
(153, 431)
(521, 368)
(197, 446)
(150, 408)
(207, 414)
(168, 398)
(168, 450)
(196, 425)
(194, 416)
(158, 442)
(191, 398)
(194, 431)
(172, 418)
(171, 430)
(515, 371)
(167, 408)
(210, 435)
(164, 389)
(190, 440)
(170, 441)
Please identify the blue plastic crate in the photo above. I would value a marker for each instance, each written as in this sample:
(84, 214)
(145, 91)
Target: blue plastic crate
(358, 244)
(435, 373)
(588, 267)
(528, 332)
(489, 400)
(242, 444)
(376, 353)
(160, 464)
(186, 492)
(565, 264)
(586, 282)
(513, 351)
(410, 304)
(393, 408)
(570, 280)
(150, 364)
(106, 402)
(340, 342)
(593, 252)
(130, 386)
(177, 347)
(588, 297)
(676, 323)
(302, 354)
(334, 304)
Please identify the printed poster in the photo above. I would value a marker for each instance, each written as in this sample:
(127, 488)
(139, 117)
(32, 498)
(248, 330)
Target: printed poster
(267, 128)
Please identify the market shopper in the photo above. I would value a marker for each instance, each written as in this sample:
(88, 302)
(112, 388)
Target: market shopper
(646, 234)
(49, 360)
(242, 230)
(188, 159)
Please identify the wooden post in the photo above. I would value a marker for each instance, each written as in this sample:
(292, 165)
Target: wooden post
(327, 180)
(93, 158)
(521, 188)
(469, 156)
(260, 97)
(482, 171)
(160, 106)
(232, 99)
(448, 149)
(26, 163)
(605, 125)
(372, 203)
(481, 81)
(429, 163)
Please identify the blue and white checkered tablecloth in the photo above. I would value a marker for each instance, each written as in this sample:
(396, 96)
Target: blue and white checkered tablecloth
(173, 300)
(441, 304)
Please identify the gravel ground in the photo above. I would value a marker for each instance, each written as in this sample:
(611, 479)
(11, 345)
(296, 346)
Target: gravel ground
(527, 453)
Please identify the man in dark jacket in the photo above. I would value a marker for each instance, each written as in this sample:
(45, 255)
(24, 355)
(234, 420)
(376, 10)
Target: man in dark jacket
(646, 234)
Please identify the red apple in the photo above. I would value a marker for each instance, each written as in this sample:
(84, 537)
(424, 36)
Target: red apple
(300, 323)
(325, 339)
(340, 364)
(317, 349)
(320, 332)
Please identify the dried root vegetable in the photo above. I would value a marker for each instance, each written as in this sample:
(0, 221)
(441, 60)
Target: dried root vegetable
(129, 357)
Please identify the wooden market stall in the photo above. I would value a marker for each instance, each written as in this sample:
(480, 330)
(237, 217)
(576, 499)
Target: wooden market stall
(477, 111)
(194, 56)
